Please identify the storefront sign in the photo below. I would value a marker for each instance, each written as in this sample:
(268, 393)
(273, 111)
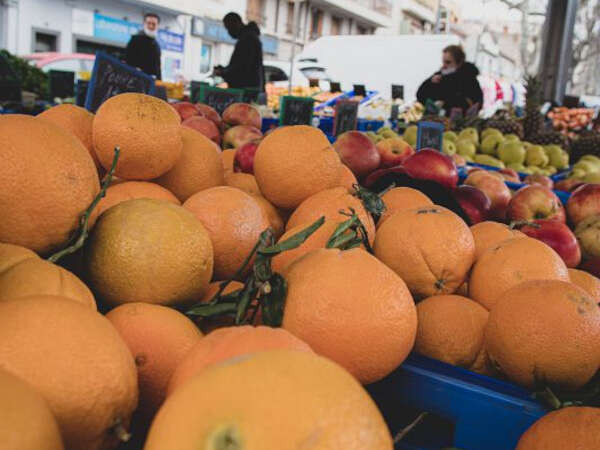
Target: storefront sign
(118, 30)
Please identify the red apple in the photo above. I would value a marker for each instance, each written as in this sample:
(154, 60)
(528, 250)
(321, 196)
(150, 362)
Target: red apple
(242, 114)
(537, 178)
(244, 157)
(185, 110)
(373, 177)
(558, 236)
(393, 151)
(237, 136)
(357, 152)
(535, 202)
(494, 188)
(474, 203)
(210, 113)
(205, 126)
(584, 202)
(510, 175)
(429, 164)
(568, 185)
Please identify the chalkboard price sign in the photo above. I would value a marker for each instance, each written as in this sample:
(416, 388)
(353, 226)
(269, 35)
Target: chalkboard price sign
(61, 84)
(81, 92)
(346, 116)
(251, 95)
(395, 112)
(313, 82)
(430, 135)
(359, 89)
(219, 98)
(111, 77)
(195, 90)
(334, 86)
(397, 91)
(296, 110)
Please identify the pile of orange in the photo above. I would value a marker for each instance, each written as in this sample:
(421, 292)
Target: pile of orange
(99, 344)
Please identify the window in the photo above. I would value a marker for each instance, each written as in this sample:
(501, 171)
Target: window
(361, 30)
(45, 42)
(316, 24)
(206, 58)
(289, 24)
(274, 74)
(336, 26)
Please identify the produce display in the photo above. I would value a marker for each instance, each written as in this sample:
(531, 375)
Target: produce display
(567, 120)
(381, 109)
(180, 280)
(274, 94)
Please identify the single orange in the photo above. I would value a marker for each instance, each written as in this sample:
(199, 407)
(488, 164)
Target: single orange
(401, 198)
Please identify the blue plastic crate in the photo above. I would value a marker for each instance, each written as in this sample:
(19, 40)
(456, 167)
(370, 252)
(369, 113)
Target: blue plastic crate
(483, 412)
(345, 96)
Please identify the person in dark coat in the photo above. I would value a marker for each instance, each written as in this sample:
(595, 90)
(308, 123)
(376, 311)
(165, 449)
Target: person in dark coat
(455, 84)
(143, 50)
(245, 69)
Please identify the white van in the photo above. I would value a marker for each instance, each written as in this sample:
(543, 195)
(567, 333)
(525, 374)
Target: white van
(379, 61)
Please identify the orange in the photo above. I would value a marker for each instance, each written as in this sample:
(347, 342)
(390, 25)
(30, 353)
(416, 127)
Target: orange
(347, 179)
(401, 198)
(315, 241)
(273, 214)
(159, 338)
(573, 427)
(487, 234)
(274, 400)
(234, 222)
(26, 422)
(199, 167)
(450, 329)
(76, 120)
(587, 282)
(294, 162)
(345, 304)
(23, 273)
(545, 333)
(129, 190)
(244, 182)
(145, 128)
(227, 157)
(232, 342)
(511, 262)
(430, 248)
(76, 360)
(329, 203)
(47, 180)
(151, 251)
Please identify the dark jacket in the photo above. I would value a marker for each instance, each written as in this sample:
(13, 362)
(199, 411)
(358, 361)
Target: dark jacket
(457, 90)
(143, 52)
(245, 67)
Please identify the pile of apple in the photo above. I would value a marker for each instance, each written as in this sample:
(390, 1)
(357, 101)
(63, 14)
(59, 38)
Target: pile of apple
(586, 170)
(534, 209)
(240, 123)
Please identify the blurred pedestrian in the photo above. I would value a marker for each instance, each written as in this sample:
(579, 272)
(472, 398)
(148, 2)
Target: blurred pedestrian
(143, 50)
(455, 85)
(245, 67)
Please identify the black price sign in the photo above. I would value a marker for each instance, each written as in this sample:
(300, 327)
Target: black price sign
(359, 89)
(296, 110)
(346, 116)
(111, 77)
(61, 84)
(195, 90)
(251, 95)
(161, 92)
(395, 112)
(313, 82)
(430, 135)
(334, 86)
(81, 92)
(397, 91)
(220, 99)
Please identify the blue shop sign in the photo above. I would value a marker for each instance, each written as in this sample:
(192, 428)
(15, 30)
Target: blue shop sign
(118, 30)
(213, 30)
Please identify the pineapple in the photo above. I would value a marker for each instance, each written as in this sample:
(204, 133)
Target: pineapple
(533, 123)
(587, 144)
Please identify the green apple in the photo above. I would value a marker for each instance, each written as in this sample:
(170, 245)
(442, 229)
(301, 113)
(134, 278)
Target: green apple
(577, 173)
(526, 144)
(527, 170)
(586, 166)
(468, 158)
(469, 133)
(490, 143)
(465, 147)
(490, 131)
(511, 137)
(511, 152)
(489, 161)
(519, 167)
(450, 135)
(558, 157)
(536, 170)
(592, 158)
(551, 169)
(371, 135)
(410, 135)
(536, 156)
(448, 147)
(593, 177)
